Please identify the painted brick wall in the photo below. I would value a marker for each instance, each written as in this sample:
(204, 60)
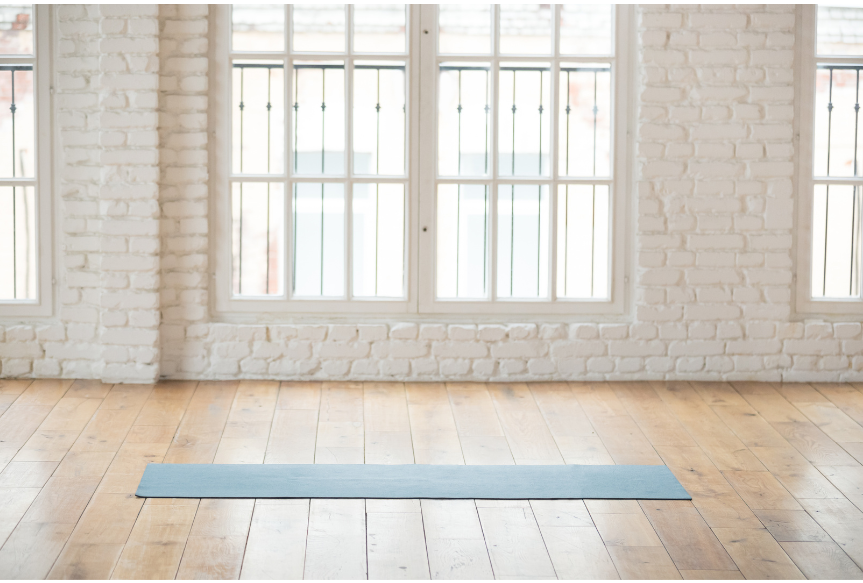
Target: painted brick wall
(183, 198)
(714, 204)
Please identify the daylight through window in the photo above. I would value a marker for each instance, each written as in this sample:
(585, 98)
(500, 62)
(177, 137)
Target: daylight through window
(327, 155)
(18, 272)
(838, 154)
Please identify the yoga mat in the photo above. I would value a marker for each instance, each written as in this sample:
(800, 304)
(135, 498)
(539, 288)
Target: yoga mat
(408, 481)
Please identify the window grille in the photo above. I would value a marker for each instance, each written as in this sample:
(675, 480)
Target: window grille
(319, 164)
(365, 170)
(18, 220)
(838, 175)
(517, 174)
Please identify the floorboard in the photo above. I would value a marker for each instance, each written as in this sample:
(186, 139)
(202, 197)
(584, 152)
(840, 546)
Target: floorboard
(773, 469)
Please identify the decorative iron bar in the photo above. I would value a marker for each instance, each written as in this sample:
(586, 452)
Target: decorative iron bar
(515, 70)
(857, 190)
(13, 107)
(595, 111)
(296, 113)
(459, 109)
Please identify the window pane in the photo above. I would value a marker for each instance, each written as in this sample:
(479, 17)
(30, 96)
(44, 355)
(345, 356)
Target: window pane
(257, 217)
(319, 240)
(17, 139)
(464, 29)
(378, 240)
(462, 240)
(319, 28)
(319, 118)
(379, 28)
(525, 29)
(522, 245)
(836, 241)
(17, 243)
(837, 122)
(840, 30)
(524, 119)
(585, 29)
(585, 120)
(258, 27)
(16, 29)
(464, 119)
(582, 241)
(258, 117)
(379, 118)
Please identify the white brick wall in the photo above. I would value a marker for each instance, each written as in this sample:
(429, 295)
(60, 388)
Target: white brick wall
(714, 205)
(183, 197)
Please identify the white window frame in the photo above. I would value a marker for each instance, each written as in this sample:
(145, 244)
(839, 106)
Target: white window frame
(220, 167)
(620, 187)
(43, 303)
(804, 98)
(421, 160)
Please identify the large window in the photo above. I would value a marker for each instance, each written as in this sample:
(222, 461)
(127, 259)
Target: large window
(392, 158)
(834, 165)
(23, 107)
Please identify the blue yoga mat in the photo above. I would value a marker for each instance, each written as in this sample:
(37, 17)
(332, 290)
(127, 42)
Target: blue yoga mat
(409, 481)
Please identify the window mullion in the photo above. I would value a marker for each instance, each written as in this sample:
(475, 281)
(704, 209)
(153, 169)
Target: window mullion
(349, 151)
(288, 211)
(493, 185)
(555, 157)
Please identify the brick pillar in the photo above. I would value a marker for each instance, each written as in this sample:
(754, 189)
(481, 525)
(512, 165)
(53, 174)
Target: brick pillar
(129, 193)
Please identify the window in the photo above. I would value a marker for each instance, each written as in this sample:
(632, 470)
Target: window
(476, 166)
(23, 182)
(833, 164)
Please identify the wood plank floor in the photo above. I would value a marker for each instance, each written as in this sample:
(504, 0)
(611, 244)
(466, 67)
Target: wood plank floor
(775, 472)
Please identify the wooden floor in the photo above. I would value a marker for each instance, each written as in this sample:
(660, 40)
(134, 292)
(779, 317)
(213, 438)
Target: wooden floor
(774, 471)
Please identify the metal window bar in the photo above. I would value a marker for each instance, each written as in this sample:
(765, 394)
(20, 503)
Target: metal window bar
(13, 107)
(459, 108)
(296, 107)
(854, 271)
(568, 110)
(595, 111)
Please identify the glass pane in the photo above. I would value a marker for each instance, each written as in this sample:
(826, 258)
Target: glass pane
(378, 240)
(319, 240)
(16, 29)
(258, 117)
(379, 118)
(582, 241)
(319, 28)
(464, 29)
(17, 243)
(379, 28)
(585, 120)
(462, 240)
(840, 30)
(464, 119)
(525, 29)
(585, 29)
(524, 119)
(258, 27)
(838, 129)
(836, 241)
(258, 231)
(17, 138)
(522, 243)
(319, 118)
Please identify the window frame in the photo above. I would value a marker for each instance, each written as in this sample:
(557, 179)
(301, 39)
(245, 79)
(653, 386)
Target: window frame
(43, 303)
(421, 130)
(222, 175)
(804, 136)
(621, 188)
